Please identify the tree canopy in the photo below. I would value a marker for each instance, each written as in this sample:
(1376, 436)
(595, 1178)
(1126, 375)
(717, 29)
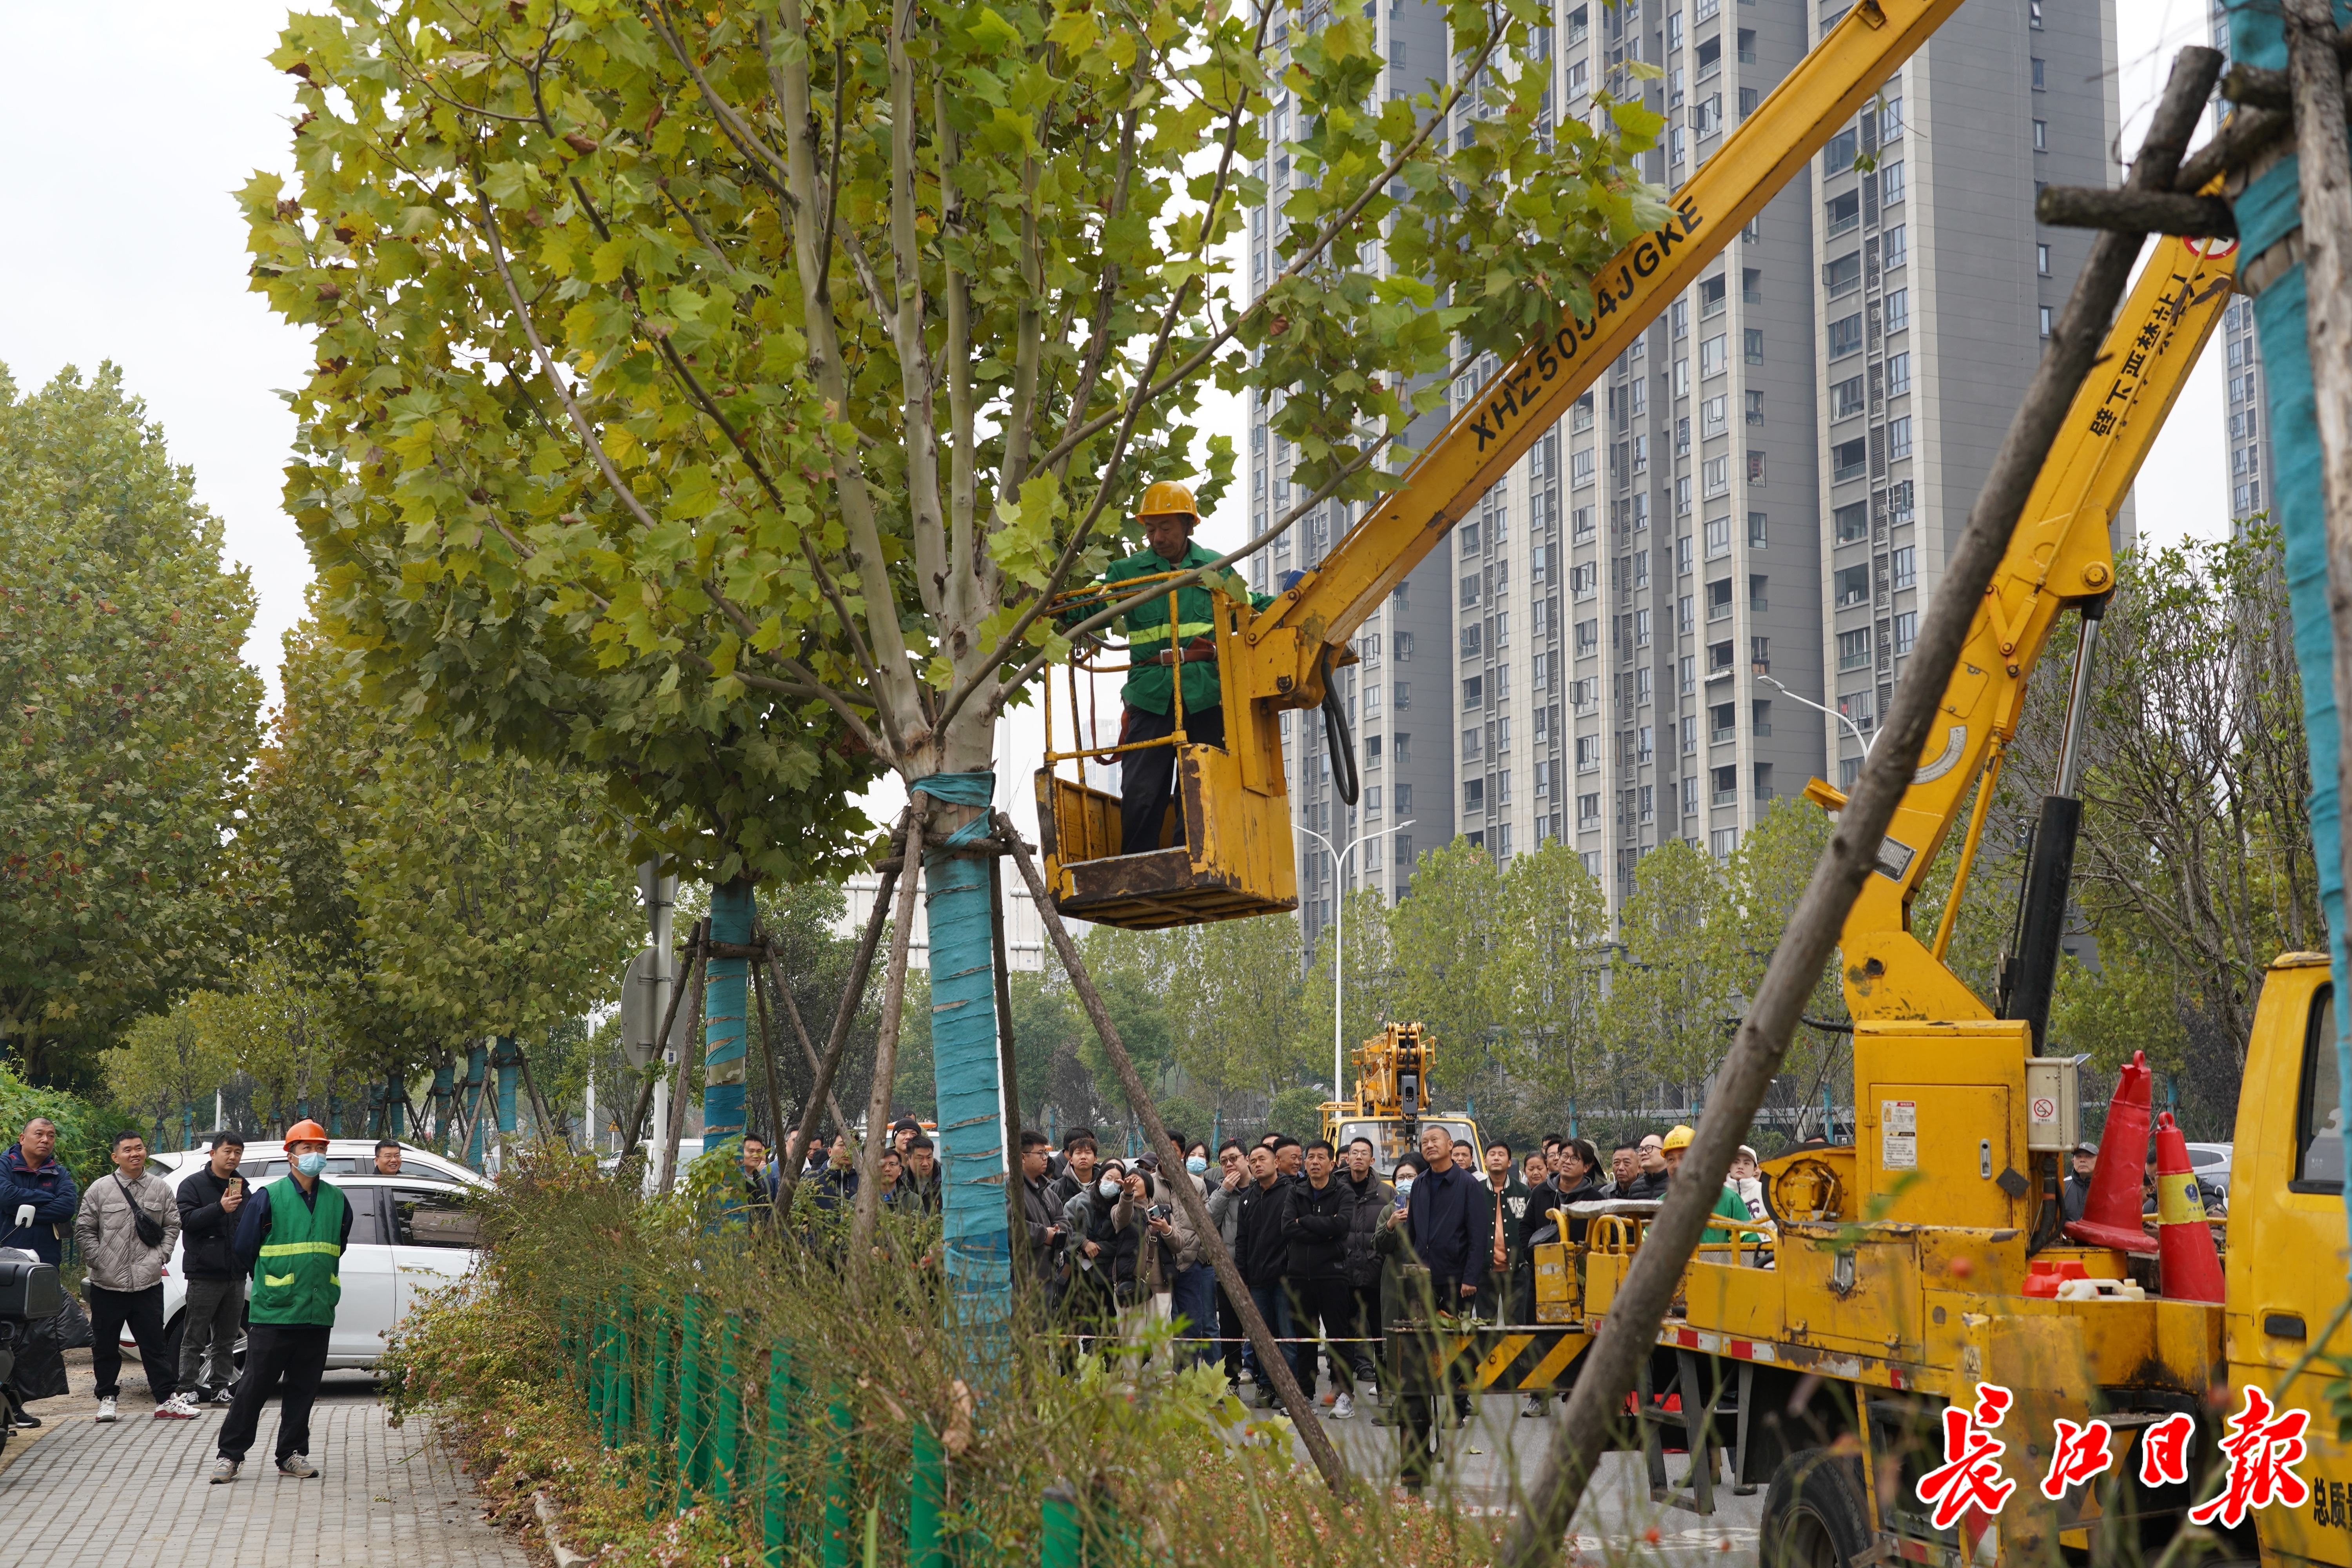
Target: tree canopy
(130, 720)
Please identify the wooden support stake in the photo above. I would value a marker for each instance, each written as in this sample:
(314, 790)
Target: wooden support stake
(759, 977)
(636, 1122)
(1271, 1359)
(853, 995)
(676, 1127)
(819, 1075)
(1016, 1217)
(886, 1054)
(1630, 1331)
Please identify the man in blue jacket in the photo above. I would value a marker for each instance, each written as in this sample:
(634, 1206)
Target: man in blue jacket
(32, 1176)
(1448, 1222)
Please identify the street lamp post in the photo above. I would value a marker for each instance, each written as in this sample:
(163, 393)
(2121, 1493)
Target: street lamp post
(1340, 938)
(1860, 739)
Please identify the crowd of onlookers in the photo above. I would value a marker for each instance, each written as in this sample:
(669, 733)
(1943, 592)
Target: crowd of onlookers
(1318, 1235)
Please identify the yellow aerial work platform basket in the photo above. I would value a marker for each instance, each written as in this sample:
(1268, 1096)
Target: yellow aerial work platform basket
(1224, 849)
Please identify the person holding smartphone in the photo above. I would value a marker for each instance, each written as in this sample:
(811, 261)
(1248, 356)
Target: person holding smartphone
(208, 1203)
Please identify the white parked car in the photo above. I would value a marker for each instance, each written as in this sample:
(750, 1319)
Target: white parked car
(2212, 1163)
(411, 1234)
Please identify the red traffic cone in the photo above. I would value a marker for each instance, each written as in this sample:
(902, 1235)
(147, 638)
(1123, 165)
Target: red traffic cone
(2191, 1270)
(2111, 1215)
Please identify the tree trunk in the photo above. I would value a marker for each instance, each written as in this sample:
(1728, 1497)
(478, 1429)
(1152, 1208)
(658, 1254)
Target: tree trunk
(724, 1015)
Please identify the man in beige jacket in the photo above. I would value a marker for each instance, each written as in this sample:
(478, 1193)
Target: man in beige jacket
(126, 1228)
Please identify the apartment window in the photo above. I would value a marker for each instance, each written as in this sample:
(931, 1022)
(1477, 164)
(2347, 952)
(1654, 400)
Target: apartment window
(1580, 467)
(1686, 668)
(1372, 800)
(1641, 561)
(1643, 750)
(1682, 437)
(1588, 810)
(1403, 644)
(1638, 395)
(1680, 317)
(1714, 415)
(1403, 846)
(1719, 538)
(1898, 501)
(1712, 356)
(1898, 375)
(1683, 496)
(2045, 320)
(1371, 698)
(1683, 622)
(1683, 556)
(1502, 641)
(1474, 639)
(1471, 739)
(1898, 437)
(1890, 184)
(2033, 14)
(1641, 450)
(1845, 336)
(2041, 138)
(1579, 524)
(1853, 584)
(1716, 474)
(1758, 598)
(1584, 580)
(1718, 599)
(2039, 82)
(1894, 247)
(1907, 632)
(1751, 285)
(1853, 650)
(2042, 259)
(1758, 530)
(1588, 754)
(1580, 414)
(1751, 342)
(1588, 637)
(1890, 119)
(1749, 99)
(1724, 790)
(1641, 628)
(1474, 691)
(1899, 309)
(1856, 706)
(1843, 274)
(1853, 521)
(1848, 459)
(1754, 402)
(1710, 57)
(1474, 794)
(1642, 682)
(1400, 695)
(1838, 157)
(1906, 564)
(1847, 398)
(1710, 296)
(1843, 213)
(1722, 722)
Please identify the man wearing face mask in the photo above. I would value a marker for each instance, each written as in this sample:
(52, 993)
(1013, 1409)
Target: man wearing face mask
(290, 1236)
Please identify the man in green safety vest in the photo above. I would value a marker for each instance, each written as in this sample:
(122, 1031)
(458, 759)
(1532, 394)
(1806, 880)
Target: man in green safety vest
(291, 1237)
(1147, 777)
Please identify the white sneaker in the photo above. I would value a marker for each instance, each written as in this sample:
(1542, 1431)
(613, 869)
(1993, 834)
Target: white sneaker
(1343, 1407)
(106, 1408)
(176, 1408)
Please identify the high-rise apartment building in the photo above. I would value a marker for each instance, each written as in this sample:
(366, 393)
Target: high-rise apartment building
(2248, 436)
(1626, 640)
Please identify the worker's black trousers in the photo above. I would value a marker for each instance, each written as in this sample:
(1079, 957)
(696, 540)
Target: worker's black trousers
(1147, 778)
(293, 1353)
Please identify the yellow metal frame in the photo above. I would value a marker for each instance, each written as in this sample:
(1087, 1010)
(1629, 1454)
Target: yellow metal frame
(2059, 555)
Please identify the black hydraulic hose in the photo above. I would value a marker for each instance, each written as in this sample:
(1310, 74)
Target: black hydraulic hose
(1344, 777)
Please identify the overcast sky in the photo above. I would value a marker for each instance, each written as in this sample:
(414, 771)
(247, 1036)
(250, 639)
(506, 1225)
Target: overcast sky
(130, 126)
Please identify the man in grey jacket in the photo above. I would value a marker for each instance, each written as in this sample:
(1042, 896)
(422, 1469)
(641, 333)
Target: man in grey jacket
(126, 1227)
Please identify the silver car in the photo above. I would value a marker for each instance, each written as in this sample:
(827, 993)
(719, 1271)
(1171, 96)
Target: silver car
(2212, 1163)
(411, 1234)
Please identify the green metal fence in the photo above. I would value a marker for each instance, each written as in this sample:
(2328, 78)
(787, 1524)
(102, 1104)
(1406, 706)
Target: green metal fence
(716, 1413)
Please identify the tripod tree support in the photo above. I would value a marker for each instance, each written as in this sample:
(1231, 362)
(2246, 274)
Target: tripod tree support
(885, 1056)
(1630, 1331)
(783, 994)
(852, 995)
(676, 1127)
(1270, 1358)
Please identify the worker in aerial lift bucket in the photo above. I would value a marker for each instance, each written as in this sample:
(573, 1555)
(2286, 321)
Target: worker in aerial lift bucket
(1146, 776)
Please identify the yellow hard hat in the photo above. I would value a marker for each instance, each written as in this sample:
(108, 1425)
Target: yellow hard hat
(1165, 497)
(1675, 1138)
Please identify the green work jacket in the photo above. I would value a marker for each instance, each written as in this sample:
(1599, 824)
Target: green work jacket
(1152, 687)
(298, 1278)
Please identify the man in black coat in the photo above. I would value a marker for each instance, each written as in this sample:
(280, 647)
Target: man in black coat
(216, 1306)
(1316, 1210)
(1262, 1255)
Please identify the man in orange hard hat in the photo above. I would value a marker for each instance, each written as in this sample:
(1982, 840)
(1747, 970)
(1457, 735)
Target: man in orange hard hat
(290, 1235)
(1147, 777)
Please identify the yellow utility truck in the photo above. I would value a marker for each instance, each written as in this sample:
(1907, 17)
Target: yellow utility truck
(1392, 1105)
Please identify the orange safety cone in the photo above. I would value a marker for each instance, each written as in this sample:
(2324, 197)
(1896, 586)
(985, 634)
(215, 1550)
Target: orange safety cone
(2111, 1214)
(2189, 1266)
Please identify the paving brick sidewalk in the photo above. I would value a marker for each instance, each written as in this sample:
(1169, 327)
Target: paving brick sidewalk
(82, 1495)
